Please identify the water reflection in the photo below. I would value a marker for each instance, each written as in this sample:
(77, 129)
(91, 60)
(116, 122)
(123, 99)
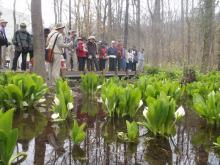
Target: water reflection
(158, 151)
(50, 143)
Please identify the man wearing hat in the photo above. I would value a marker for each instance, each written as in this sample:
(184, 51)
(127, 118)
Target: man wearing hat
(56, 39)
(3, 38)
(92, 52)
(22, 43)
(72, 58)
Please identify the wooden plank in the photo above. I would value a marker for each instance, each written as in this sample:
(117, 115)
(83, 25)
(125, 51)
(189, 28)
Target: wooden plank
(77, 74)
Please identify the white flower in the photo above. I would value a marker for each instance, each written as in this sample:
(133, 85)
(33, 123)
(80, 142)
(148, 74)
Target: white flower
(70, 106)
(140, 103)
(25, 104)
(56, 100)
(180, 112)
(42, 100)
(55, 116)
(145, 112)
(99, 86)
(99, 100)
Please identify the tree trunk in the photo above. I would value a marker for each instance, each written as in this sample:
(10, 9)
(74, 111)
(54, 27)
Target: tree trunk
(138, 19)
(14, 15)
(156, 25)
(70, 16)
(55, 10)
(39, 47)
(109, 20)
(182, 30)
(208, 18)
(126, 24)
(188, 33)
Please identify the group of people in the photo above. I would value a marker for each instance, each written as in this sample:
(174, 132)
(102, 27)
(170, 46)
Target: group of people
(97, 54)
(23, 45)
(77, 52)
(88, 53)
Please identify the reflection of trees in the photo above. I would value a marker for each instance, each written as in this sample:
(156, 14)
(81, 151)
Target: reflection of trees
(29, 127)
(202, 141)
(158, 151)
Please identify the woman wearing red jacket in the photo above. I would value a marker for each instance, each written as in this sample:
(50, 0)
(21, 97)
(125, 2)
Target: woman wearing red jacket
(81, 52)
(102, 56)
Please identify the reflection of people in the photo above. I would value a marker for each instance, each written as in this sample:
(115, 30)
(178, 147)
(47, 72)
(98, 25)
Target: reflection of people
(22, 42)
(55, 40)
(3, 40)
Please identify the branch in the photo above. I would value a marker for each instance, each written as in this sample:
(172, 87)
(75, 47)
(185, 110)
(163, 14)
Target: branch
(148, 6)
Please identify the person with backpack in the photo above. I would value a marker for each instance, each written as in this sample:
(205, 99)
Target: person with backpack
(55, 42)
(22, 43)
(3, 39)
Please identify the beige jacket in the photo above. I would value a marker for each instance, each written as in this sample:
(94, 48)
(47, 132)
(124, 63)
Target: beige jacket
(58, 49)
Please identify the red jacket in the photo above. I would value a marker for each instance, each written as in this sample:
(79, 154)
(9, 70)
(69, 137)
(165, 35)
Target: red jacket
(81, 50)
(102, 52)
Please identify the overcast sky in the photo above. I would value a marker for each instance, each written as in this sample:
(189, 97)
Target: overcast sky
(22, 6)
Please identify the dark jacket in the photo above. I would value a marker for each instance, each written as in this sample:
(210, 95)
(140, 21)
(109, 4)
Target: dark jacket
(22, 41)
(3, 38)
(92, 49)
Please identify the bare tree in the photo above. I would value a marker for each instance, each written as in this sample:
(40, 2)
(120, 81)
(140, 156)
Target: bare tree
(70, 14)
(39, 47)
(126, 24)
(14, 15)
(156, 30)
(110, 19)
(208, 8)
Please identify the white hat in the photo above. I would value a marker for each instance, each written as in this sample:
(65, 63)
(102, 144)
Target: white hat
(59, 26)
(3, 21)
(91, 37)
(113, 42)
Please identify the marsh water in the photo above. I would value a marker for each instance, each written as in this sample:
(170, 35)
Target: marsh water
(49, 143)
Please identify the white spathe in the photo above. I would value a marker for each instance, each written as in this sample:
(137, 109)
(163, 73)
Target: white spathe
(25, 104)
(145, 112)
(140, 103)
(56, 101)
(99, 86)
(42, 100)
(180, 112)
(55, 116)
(70, 106)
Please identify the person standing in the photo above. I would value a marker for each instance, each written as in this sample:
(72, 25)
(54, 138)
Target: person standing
(123, 60)
(112, 54)
(92, 53)
(22, 42)
(141, 60)
(73, 56)
(3, 40)
(135, 59)
(81, 53)
(102, 56)
(130, 58)
(56, 39)
(119, 55)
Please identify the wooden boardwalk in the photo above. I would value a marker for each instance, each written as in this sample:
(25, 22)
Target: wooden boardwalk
(77, 74)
